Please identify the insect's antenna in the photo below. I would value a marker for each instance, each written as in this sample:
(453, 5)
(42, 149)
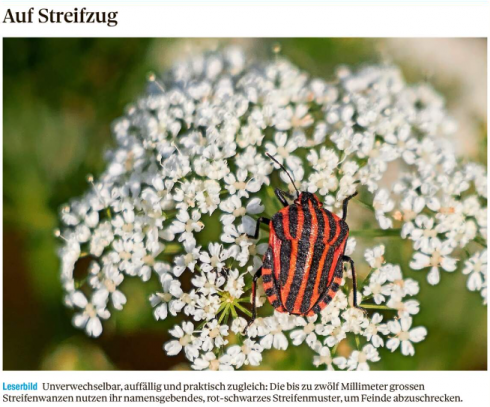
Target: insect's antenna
(284, 169)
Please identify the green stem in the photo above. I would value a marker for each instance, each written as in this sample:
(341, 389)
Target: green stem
(233, 311)
(224, 314)
(365, 204)
(380, 307)
(244, 310)
(172, 248)
(480, 241)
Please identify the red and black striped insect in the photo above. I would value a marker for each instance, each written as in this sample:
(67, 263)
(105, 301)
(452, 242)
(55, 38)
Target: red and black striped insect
(303, 266)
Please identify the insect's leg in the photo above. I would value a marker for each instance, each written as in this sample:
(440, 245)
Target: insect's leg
(344, 206)
(257, 275)
(257, 228)
(281, 195)
(354, 281)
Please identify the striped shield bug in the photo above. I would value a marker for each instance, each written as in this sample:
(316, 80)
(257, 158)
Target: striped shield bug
(303, 266)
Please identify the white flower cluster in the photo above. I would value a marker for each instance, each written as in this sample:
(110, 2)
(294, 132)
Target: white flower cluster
(322, 333)
(190, 156)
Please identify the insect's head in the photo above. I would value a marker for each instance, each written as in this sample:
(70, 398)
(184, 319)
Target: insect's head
(287, 173)
(306, 197)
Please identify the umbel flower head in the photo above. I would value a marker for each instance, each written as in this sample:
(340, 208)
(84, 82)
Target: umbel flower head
(189, 159)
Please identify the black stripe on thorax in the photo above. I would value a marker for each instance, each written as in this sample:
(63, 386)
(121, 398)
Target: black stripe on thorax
(293, 221)
(277, 223)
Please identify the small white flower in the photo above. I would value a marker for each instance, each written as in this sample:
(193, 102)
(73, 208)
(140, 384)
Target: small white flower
(377, 288)
(355, 320)
(424, 234)
(358, 360)
(400, 287)
(435, 257)
(383, 204)
(404, 308)
(208, 196)
(239, 185)
(208, 283)
(238, 325)
(373, 330)
(235, 283)
(275, 326)
(306, 333)
(234, 208)
(89, 318)
(165, 301)
(476, 269)
(187, 261)
(282, 148)
(325, 358)
(375, 256)
(405, 336)
(334, 333)
(214, 258)
(108, 288)
(209, 361)
(213, 335)
(250, 353)
(185, 340)
(187, 225)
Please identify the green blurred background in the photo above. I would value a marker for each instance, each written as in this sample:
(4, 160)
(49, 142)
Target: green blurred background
(60, 97)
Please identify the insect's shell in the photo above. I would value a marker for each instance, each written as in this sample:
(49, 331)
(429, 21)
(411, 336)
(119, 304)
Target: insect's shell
(302, 268)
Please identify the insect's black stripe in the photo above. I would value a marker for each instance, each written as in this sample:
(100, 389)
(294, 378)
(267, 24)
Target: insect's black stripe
(334, 287)
(293, 221)
(332, 224)
(322, 286)
(318, 250)
(326, 298)
(285, 251)
(278, 224)
(269, 292)
(268, 259)
(329, 293)
(267, 278)
(320, 221)
(339, 271)
(344, 229)
(302, 255)
(268, 275)
(285, 257)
